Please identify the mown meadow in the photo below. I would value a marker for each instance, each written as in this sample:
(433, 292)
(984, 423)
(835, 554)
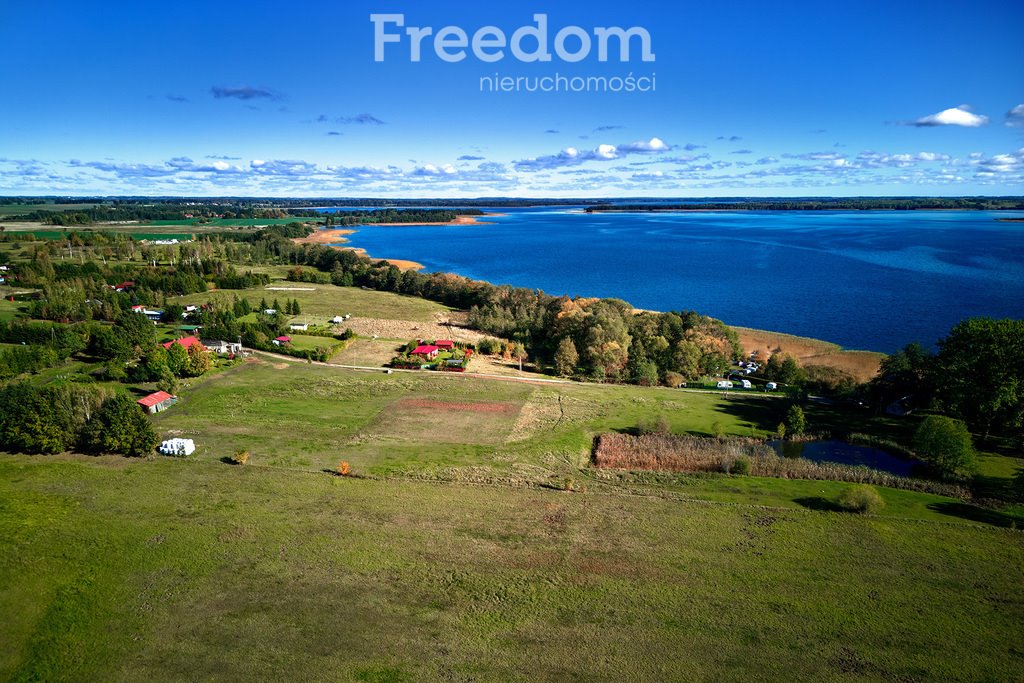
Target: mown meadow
(167, 570)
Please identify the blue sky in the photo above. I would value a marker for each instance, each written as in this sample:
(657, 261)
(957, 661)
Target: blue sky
(286, 99)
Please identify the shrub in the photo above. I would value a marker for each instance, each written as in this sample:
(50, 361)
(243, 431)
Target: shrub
(659, 425)
(674, 379)
(861, 499)
(568, 484)
(740, 466)
(796, 422)
(945, 444)
(240, 457)
(344, 469)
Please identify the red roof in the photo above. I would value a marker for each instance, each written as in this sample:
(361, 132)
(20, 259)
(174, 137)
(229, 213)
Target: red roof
(283, 339)
(187, 342)
(444, 344)
(424, 350)
(154, 399)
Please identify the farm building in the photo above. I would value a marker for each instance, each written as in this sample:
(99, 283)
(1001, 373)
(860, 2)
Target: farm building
(178, 447)
(445, 344)
(337, 320)
(187, 342)
(222, 347)
(157, 402)
(298, 327)
(428, 351)
(282, 340)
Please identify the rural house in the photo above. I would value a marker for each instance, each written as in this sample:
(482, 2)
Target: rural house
(222, 347)
(428, 351)
(445, 344)
(157, 402)
(282, 340)
(187, 342)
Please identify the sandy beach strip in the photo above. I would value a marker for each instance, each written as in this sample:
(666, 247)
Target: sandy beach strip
(336, 236)
(330, 236)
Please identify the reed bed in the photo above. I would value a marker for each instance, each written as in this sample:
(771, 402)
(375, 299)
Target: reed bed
(672, 453)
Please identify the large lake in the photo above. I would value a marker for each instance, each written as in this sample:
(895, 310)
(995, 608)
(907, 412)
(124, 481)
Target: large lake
(872, 280)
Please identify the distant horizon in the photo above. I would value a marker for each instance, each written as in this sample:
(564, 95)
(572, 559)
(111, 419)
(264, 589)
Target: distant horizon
(681, 198)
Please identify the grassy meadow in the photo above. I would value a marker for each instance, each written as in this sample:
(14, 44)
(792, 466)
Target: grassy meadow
(319, 303)
(168, 570)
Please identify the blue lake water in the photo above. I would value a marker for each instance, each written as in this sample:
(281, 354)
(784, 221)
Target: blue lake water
(872, 280)
(846, 454)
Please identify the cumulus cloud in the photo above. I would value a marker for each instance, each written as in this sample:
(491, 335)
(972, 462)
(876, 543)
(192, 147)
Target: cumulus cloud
(571, 156)
(432, 170)
(690, 147)
(1015, 117)
(956, 116)
(279, 167)
(242, 92)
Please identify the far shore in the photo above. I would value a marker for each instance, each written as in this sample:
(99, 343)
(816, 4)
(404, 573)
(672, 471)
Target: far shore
(335, 237)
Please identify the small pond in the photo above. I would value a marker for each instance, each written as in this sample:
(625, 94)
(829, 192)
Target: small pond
(845, 454)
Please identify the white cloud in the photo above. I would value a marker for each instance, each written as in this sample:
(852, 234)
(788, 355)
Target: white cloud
(956, 116)
(570, 156)
(1015, 117)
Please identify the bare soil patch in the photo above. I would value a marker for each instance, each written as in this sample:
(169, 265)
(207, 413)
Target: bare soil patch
(443, 326)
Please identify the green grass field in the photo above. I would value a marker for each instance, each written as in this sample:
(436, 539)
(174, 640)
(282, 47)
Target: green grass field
(319, 303)
(459, 428)
(168, 570)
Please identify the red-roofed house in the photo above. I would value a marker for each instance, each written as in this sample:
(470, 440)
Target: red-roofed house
(428, 351)
(283, 340)
(446, 344)
(187, 342)
(157, 401)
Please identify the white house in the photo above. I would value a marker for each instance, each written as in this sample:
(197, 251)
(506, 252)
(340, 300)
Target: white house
(178, 447)
(222, 347)
(337, 320)
(724, 384)
(298, 327)
(745, 383)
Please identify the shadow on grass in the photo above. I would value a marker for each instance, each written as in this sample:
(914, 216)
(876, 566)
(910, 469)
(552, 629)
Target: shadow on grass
(228, 460)
(977, 514)
(818, 503)
(756, 411)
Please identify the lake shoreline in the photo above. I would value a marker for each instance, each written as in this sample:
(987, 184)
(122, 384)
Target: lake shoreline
(337, 237)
